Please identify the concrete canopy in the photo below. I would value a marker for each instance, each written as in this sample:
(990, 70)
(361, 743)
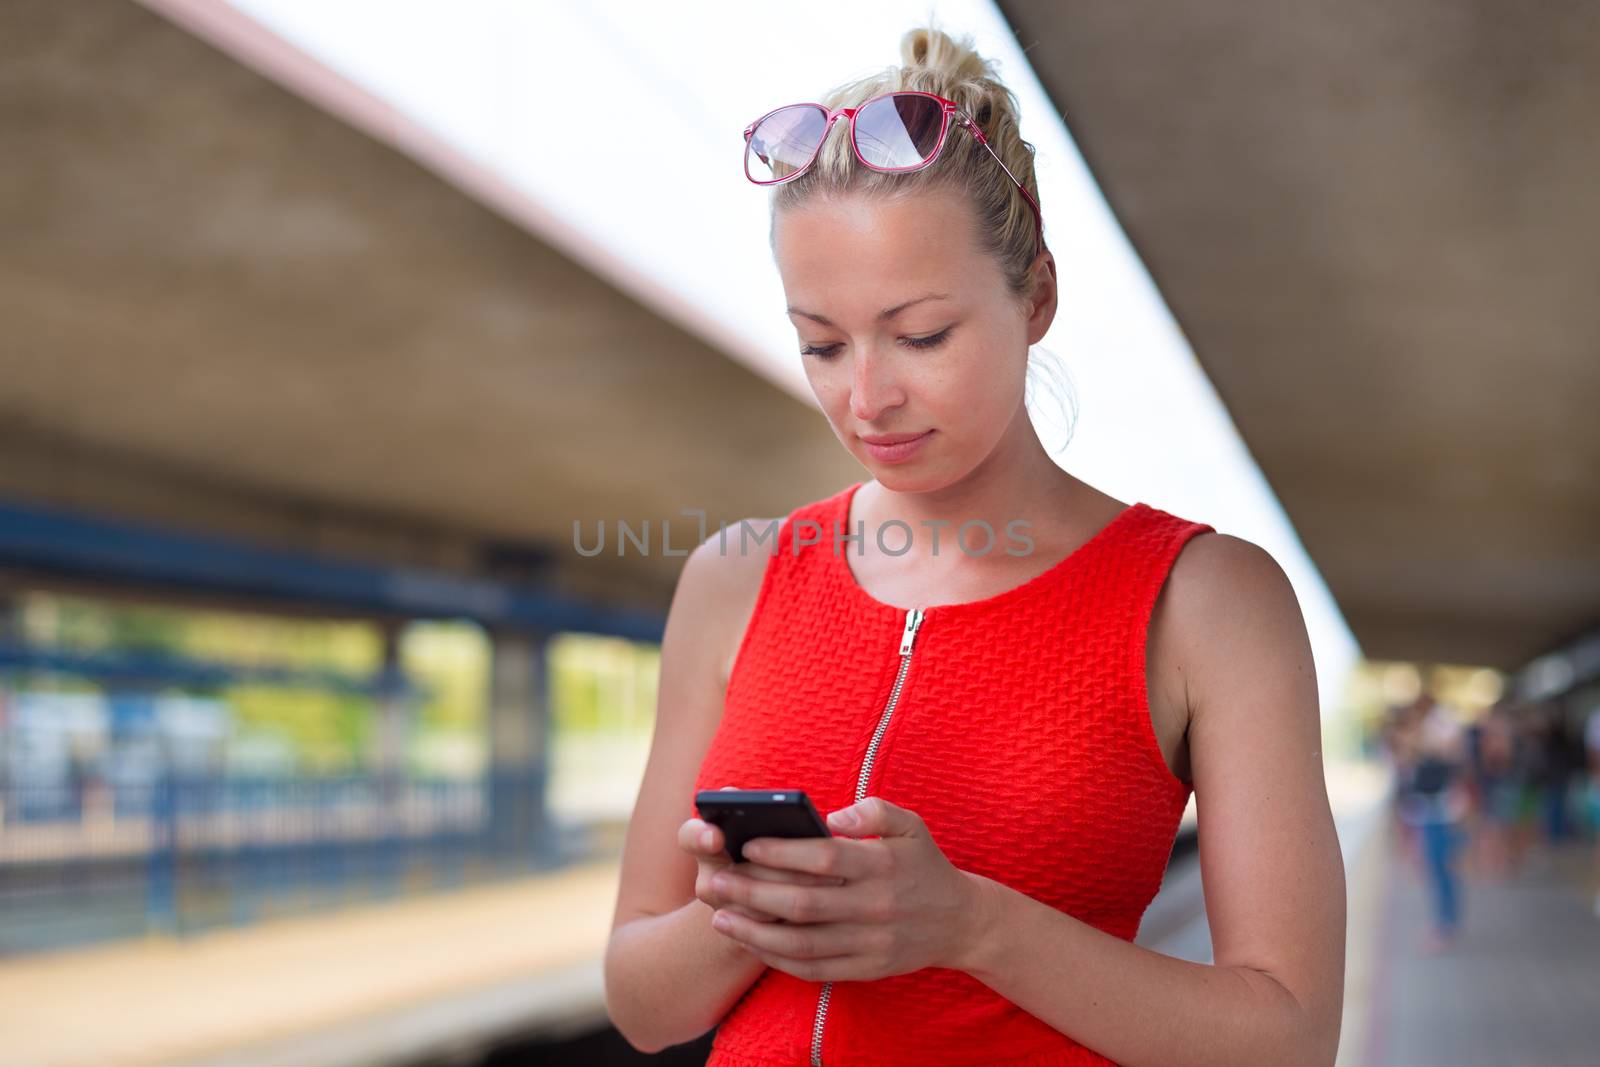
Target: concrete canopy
(1377, 226)
(227, 310)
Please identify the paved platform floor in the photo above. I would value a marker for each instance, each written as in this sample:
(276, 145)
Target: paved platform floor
(372, 983)
(1520, 987)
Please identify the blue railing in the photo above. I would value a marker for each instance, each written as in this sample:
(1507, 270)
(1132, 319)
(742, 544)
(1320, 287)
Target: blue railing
(183, 853)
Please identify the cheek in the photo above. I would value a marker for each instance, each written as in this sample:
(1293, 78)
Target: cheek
(833, 396)
(975, 399)
(968, 384)
(831, 389)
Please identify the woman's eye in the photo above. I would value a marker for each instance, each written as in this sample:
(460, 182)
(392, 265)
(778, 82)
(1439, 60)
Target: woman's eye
(931, 341)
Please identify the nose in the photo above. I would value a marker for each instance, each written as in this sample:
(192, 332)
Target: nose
(874, 385)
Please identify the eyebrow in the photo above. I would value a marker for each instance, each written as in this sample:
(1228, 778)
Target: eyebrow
(886, 313)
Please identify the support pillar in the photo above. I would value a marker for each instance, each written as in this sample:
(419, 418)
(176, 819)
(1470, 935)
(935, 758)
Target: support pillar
(394, 710)
(519, 736)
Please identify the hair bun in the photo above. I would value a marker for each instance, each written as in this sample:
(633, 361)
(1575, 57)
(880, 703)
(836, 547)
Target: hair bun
(948, 59)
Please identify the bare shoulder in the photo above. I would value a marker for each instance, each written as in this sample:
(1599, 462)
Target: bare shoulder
(1215, 562)
(1225, 601)
(1223, 587)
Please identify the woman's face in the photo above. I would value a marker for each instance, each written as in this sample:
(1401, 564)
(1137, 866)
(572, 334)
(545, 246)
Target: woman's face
(947, 360)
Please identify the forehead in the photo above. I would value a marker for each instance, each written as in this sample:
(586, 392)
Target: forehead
(874, 250)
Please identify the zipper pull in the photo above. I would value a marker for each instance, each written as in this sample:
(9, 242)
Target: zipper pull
(909, 636)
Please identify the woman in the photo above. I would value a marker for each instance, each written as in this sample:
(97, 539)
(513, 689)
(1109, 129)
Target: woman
(1498, 766)
(1003, 741)
(1434, 803)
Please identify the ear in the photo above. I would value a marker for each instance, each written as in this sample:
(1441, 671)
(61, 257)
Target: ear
(1042, 300)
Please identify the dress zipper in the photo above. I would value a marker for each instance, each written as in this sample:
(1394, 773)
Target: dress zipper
(908, 638)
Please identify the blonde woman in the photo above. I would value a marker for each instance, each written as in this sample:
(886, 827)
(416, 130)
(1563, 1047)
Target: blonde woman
(1003, 738)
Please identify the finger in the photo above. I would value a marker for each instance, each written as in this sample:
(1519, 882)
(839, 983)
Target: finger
(828, 857)
(795, 903)
(778, 874)
(716, 899)
(753, 913)
(697, 835)
(810, 941)
(875, 816)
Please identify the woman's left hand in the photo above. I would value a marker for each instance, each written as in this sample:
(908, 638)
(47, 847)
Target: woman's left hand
(903, 905)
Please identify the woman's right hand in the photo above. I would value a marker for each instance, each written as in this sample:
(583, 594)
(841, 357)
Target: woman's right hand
(709, 854)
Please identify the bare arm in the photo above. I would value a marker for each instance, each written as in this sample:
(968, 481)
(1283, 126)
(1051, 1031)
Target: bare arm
(672, 977)
(669, 975)
(1270, 864)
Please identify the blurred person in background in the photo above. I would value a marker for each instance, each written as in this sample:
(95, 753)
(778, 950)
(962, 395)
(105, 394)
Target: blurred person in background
(1591, 738)
(1552, 768)
(1399, 746)
(1498, 776)
(1530, 746)
(1472, 737)
(1434, 801)
(1567, 777)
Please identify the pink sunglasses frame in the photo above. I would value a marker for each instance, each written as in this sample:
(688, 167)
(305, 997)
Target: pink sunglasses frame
(948, 108)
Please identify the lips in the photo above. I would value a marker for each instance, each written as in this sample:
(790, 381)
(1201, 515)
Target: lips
(895, 447)
(891, 439)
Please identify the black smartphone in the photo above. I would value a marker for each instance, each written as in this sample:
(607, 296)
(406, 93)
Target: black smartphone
(743, 814)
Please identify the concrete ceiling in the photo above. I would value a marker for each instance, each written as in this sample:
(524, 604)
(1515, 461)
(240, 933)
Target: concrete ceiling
(1376, 225)
(1379, 227)
(226, 309)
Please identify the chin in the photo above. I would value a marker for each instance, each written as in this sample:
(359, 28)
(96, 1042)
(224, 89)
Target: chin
(901, 479)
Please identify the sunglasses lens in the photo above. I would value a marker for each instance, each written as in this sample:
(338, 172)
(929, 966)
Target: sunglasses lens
(899, 131)
(784, 142)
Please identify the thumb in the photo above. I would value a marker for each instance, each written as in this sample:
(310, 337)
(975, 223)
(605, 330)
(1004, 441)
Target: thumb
(875, 815)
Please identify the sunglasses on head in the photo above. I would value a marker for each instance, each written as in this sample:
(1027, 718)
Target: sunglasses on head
(895, 133)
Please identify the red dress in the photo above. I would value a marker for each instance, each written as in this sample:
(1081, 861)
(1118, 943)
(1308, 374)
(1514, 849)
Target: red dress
(1016, 726)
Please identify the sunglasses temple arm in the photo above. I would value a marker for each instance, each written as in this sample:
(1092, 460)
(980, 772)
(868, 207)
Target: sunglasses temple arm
(1038, 217)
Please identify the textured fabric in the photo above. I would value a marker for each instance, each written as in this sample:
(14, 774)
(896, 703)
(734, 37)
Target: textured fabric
(1021, 736)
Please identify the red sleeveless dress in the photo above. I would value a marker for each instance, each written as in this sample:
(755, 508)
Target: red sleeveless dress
(1016, 726)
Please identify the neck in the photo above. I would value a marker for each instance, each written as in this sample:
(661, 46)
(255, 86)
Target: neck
(1018, 482)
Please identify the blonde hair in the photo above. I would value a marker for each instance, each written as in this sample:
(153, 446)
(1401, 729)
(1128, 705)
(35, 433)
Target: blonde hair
(933, 61)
